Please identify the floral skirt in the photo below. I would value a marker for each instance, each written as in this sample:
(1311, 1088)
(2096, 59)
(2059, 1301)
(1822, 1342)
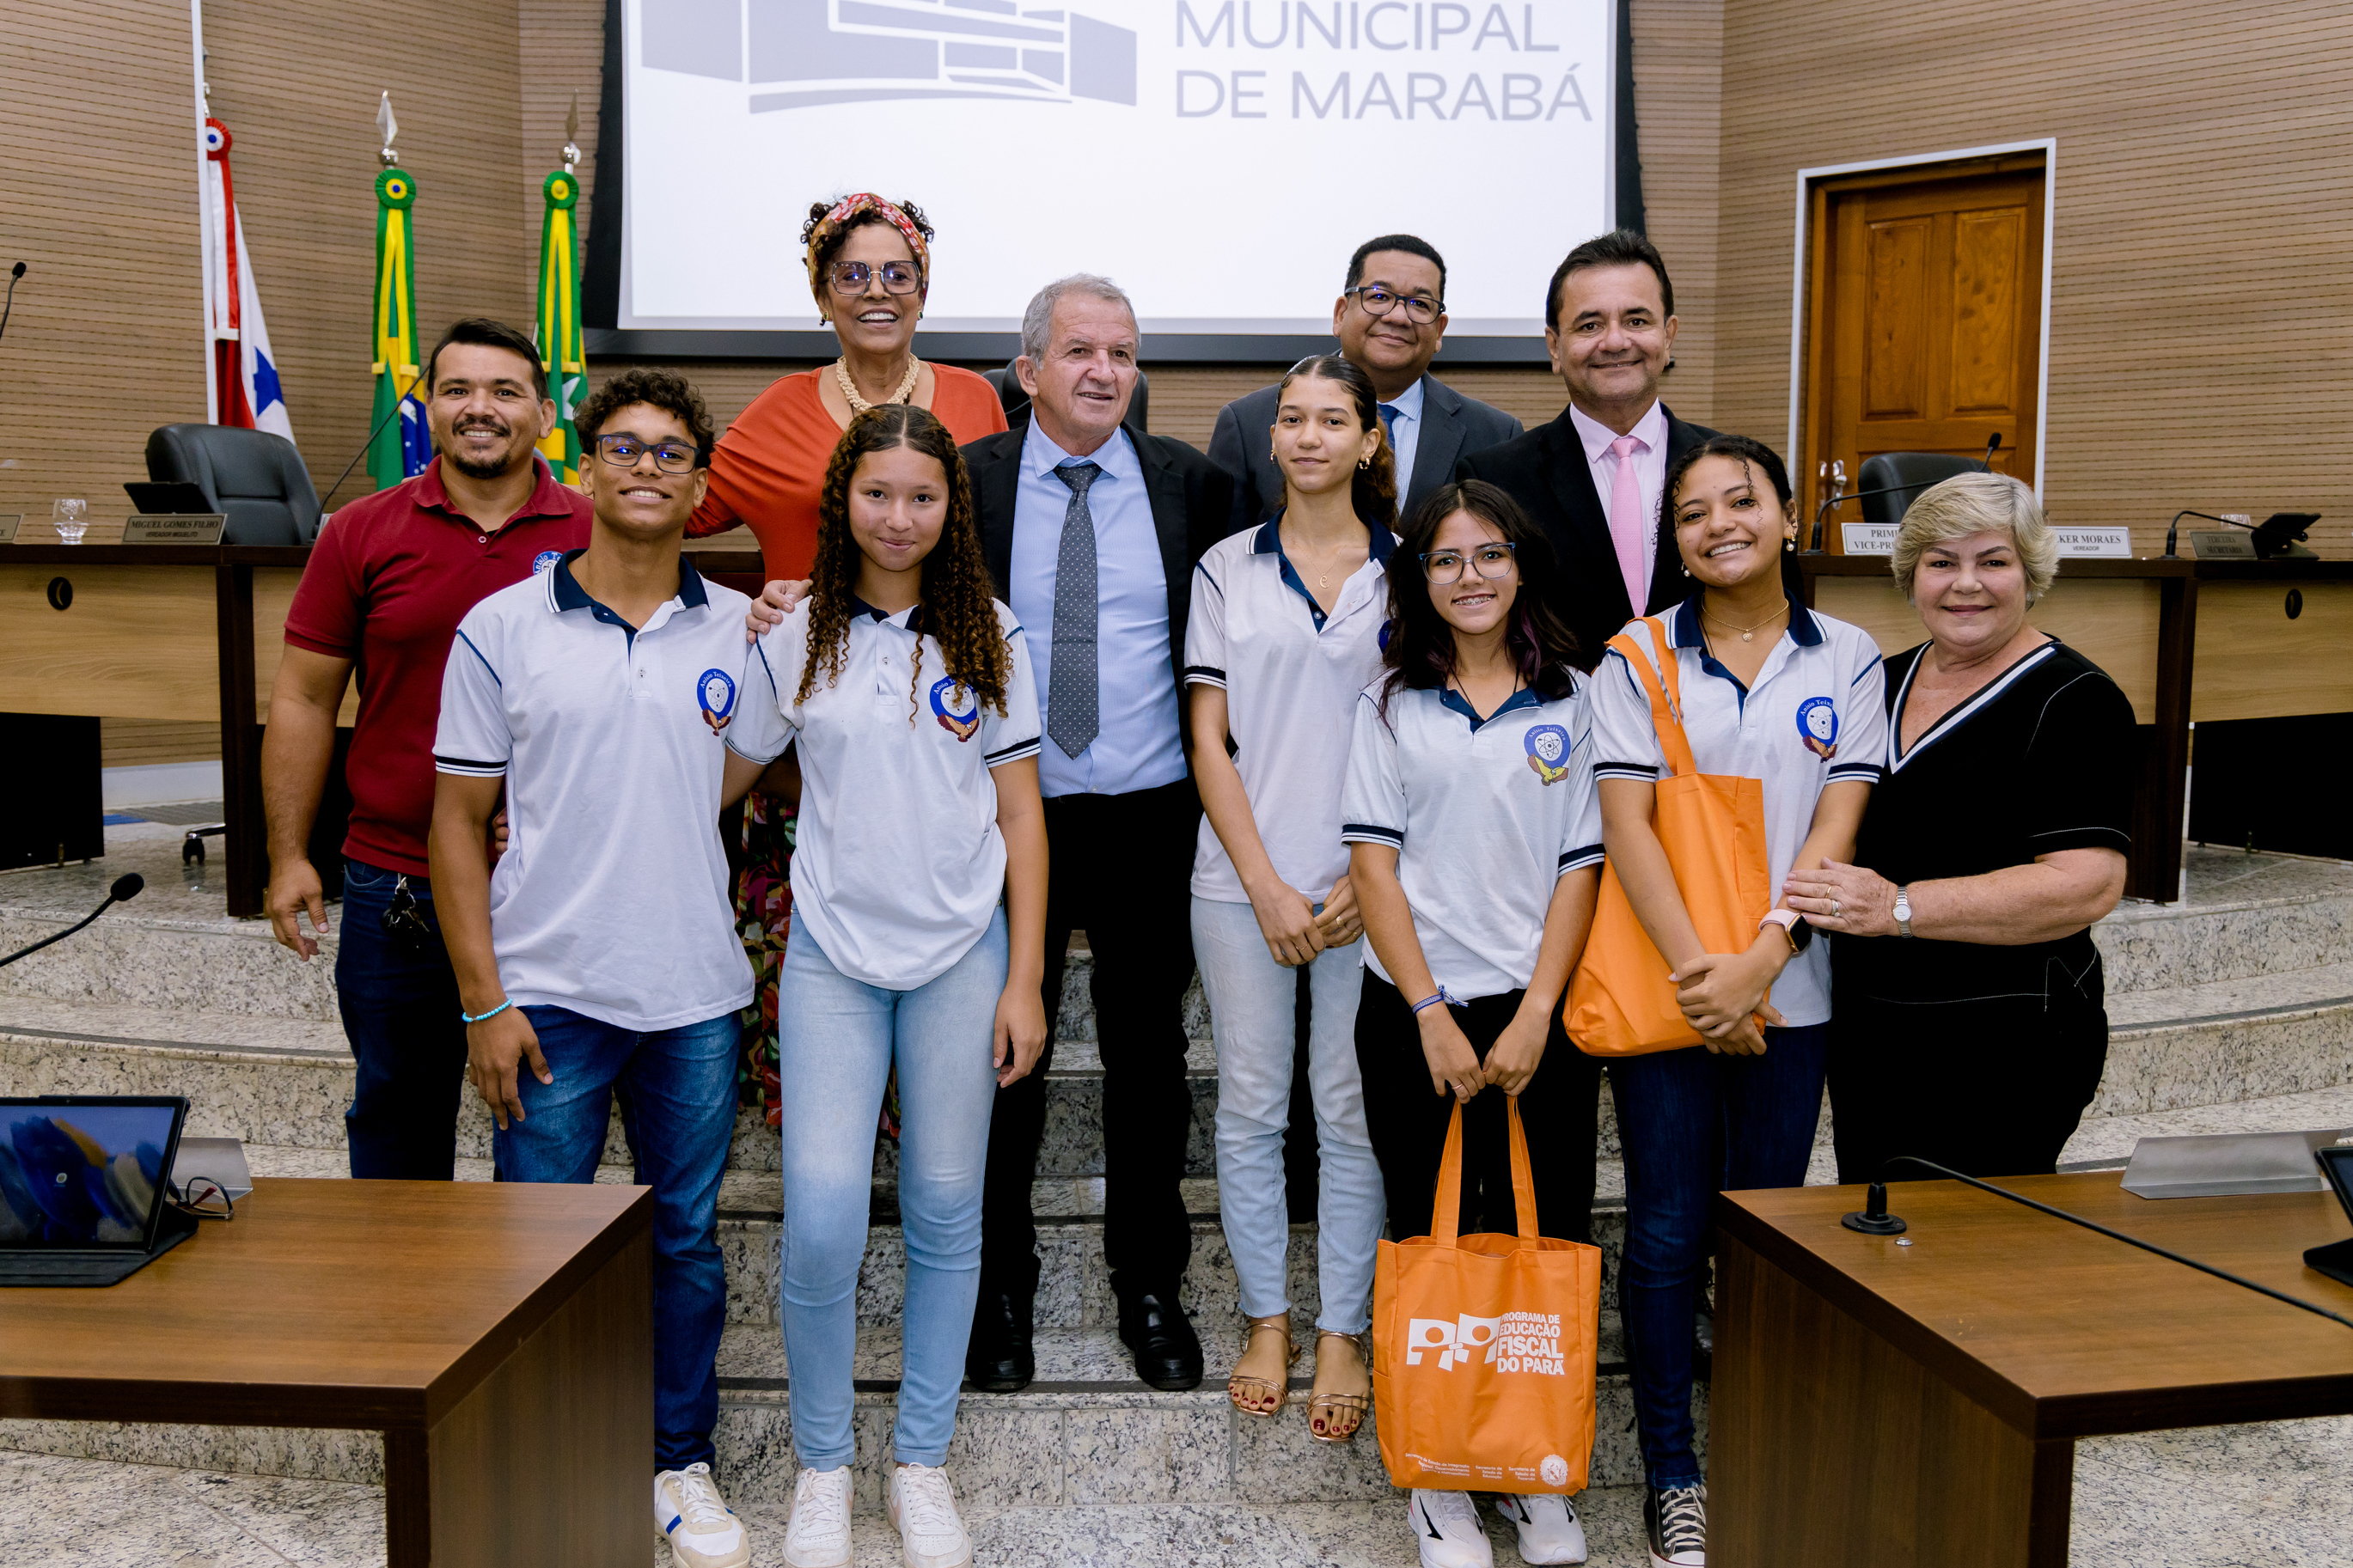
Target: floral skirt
(763, 911)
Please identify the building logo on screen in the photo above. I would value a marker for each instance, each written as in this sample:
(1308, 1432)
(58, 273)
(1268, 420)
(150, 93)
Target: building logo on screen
(816, 52)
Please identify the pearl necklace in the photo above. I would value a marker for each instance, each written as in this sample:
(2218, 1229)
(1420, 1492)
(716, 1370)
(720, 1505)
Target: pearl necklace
(849, 388)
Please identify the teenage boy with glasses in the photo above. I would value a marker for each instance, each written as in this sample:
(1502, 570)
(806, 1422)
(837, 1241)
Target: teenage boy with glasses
(607, 700)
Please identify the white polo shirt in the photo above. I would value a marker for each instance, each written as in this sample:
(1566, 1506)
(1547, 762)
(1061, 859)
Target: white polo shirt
(1485, 814)
(1817, 713)
(612, 897)
(898, 865)
(1291, 674)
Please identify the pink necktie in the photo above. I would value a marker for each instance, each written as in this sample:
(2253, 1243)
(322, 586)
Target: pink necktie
(1626, 522)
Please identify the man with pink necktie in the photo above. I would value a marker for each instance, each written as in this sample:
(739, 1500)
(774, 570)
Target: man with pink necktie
(1591, 478)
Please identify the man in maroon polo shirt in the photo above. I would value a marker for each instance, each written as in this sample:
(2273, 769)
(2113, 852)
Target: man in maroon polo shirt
(391, 576)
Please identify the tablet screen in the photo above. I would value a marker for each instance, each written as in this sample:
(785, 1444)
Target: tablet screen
(2338, 1163)
(82, 1175)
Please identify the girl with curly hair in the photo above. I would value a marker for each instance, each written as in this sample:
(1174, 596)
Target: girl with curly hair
(917, 942)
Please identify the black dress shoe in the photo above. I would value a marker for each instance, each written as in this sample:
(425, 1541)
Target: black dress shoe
(1157, 1333)
(998, 1360)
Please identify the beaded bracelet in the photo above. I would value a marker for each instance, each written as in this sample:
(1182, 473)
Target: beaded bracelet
(466, 1017)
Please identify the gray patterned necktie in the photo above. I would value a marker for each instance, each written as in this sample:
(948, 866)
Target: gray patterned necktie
(1072, 698)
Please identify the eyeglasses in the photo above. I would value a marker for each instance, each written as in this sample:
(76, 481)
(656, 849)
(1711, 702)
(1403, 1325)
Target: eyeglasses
(898, 277)
(623, 452)
(1490, 561)
(1419, 309)
(201, 1198)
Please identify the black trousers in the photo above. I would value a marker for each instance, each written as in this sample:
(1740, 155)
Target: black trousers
(1407, 1122)
(1122, 867)
(1992, 1088)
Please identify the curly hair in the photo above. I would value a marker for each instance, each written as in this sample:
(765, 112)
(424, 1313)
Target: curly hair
(656, 388)
(1373, 494)
(957, 603)
(821, 242)
(1419, 654)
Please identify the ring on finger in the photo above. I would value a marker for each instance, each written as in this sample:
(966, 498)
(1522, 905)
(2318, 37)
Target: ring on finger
(1834, 909)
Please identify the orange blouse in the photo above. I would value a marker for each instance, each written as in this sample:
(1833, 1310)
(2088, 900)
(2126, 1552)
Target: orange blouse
(770, 464)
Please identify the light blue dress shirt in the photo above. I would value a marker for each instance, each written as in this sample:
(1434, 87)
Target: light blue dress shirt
(1138, 746)
(1405, 435)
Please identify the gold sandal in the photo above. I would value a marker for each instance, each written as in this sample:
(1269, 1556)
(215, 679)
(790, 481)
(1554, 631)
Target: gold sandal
(1320, 1399)
(1243, 1386)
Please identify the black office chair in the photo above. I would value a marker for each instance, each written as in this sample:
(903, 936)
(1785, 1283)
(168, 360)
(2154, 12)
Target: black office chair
(253, 477)
(1009, 393)
(1906, 474)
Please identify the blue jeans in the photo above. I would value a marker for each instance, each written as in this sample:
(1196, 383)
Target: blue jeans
(837, 1041)
(1694, 1124)
(399, 1001)
(677, 1089)
(1253, 1010)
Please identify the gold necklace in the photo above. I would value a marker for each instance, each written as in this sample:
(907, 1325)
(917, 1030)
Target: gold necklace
(1324, 577)
(849, 388)
(1747, 634)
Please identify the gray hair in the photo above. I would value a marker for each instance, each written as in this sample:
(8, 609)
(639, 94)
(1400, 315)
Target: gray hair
(1038, 319)
(1977, 503)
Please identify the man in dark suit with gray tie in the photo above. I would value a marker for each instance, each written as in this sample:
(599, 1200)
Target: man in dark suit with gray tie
(1391, 320)
(1591, 478)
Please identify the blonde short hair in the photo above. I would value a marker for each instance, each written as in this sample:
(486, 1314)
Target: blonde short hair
(1977, 503)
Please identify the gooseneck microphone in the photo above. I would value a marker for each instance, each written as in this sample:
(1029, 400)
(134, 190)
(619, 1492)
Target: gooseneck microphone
(2173, 528)
(14, 273)
(1814, 537)
(1875, 1220)
(126, 888)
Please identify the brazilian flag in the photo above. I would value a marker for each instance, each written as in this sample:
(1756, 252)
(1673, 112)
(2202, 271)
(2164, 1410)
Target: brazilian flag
(402, 446)
(560, 350)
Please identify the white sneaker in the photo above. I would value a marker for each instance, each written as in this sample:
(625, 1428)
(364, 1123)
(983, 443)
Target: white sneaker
(703, 1531)
(1446, 1527)
(921, 1505)
(1549, 1531)
(818, 1533)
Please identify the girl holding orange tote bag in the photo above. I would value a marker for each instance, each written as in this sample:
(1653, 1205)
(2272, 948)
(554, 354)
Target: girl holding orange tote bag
(1475, 854)
(1767, 690)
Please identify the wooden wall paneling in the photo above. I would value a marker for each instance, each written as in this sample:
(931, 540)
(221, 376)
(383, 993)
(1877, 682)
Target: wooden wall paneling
(2198, 287)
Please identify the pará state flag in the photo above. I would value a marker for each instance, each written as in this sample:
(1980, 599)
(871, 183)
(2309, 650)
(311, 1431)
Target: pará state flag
(244, 372)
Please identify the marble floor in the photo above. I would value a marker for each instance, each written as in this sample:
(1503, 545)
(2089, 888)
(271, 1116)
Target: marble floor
(2273, 1496)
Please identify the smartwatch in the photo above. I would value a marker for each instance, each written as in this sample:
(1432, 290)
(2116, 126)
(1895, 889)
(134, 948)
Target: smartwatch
(1793, 926)
(1904, 910)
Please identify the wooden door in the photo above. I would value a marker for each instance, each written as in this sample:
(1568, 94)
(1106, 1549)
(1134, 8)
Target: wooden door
(1926, 320)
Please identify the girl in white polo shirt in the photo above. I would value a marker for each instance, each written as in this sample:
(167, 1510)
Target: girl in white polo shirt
(918, 940)
(1476, 858)
(1774, 692)
(1284, 632)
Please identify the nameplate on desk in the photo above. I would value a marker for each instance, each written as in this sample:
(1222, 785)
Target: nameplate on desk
(2221, 544)
(8, 522)
(2113, 543)
(176, 527)
(1868, 538)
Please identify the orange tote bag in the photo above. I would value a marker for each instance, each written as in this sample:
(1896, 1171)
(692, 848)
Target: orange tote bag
(1484, 1346)
(1712, 825)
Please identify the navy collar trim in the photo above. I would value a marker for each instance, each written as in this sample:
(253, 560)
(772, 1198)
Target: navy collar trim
(571, 595)
(918, 622)
(1686, 630)
(1526, 696)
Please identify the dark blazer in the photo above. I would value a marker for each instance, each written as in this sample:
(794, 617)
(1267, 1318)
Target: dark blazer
(1192, 498)
(1451, 425)
(1546, 471)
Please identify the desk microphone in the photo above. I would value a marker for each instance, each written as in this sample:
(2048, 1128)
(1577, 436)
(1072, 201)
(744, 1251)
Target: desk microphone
(14, 273)
(126, 888)
(1814, 540)
(2173, 528)
(1875, 1220)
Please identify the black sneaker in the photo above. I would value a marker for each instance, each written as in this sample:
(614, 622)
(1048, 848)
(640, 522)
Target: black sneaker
(1676, 1520)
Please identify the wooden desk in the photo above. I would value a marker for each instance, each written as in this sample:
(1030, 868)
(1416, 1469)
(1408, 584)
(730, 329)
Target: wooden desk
(2185, 641)
(1890, 1406)
(499, 1336)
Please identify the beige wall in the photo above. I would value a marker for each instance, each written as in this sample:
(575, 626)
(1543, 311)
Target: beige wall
(2200, 290)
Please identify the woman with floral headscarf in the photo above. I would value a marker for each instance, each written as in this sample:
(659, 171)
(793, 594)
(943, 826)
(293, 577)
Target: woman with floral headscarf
(870, 266)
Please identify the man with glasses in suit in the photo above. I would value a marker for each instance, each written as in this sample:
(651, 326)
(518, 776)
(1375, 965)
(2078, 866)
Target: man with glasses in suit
(1391, 320)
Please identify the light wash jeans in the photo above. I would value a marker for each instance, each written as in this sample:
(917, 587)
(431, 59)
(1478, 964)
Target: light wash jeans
(838, 1040)
(1253, 1010)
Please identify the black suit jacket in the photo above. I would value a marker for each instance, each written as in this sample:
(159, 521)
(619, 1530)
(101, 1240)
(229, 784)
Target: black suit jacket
(1451, 425)
(1546, 471)
(1192, 499)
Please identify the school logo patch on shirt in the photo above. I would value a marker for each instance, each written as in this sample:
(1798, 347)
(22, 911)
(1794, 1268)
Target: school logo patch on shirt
(543, 559)
(715, 689)
(1548, 748)
(946, 694)
(1818, 726)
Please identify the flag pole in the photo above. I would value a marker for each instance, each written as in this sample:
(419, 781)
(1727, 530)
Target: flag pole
(203, 206)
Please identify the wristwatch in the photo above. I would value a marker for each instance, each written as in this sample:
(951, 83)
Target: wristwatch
(1793, 926)
(1904, 910)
